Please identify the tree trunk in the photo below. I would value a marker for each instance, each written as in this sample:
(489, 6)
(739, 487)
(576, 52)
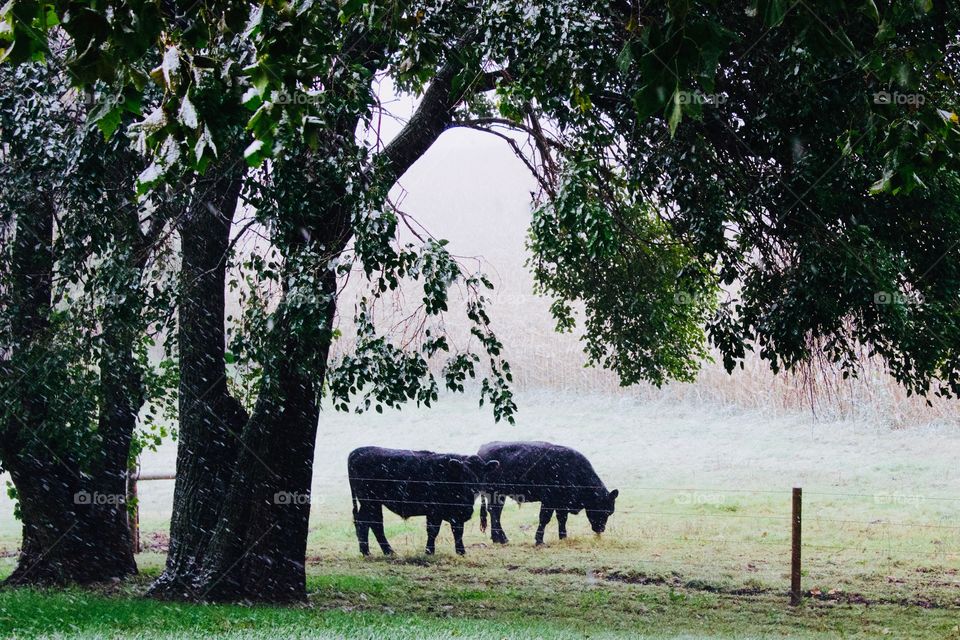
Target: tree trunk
(210, 419)
(46, 531)
(258, 552)
(74, 524)
(121, 398)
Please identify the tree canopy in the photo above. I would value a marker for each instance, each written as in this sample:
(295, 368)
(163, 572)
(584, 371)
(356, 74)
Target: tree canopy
(776, 99)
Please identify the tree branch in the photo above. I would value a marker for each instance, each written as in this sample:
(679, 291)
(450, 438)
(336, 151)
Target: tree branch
(533, 130)
(431, 118)
(435, 111)
(517, 151)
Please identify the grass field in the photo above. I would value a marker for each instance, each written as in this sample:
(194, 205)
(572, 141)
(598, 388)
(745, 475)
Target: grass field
(699, 545)
(415, 598)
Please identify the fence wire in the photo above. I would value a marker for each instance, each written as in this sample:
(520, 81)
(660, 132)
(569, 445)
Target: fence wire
(868, 554)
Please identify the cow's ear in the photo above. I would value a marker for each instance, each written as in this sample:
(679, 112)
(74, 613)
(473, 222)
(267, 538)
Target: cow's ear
(455, 465)
(614, 494)
(493, 465)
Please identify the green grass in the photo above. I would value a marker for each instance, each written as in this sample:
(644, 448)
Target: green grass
(852, 547)
(387, 598)
(75, 613)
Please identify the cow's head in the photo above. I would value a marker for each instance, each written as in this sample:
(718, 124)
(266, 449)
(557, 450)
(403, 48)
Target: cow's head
(602, 510)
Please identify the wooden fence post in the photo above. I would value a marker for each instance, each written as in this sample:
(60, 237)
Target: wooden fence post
(133, 514)
(796, 595)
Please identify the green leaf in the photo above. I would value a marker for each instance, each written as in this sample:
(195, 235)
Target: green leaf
(882, 185)
(201, 148)
(581, 99)
(253, 25)
(108, 114)
(772, 12)
(170, 66)
(149, 177)
(251, 99)
(349, 9)
(109, 121)
(649, 100)
(256, 153)
(674, 112)
(188, 114)
(625, 57)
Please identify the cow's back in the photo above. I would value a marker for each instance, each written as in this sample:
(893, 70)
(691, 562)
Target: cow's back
(539, 471)
(409, 483)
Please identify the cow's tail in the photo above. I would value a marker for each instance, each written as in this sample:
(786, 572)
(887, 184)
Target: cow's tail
(483, 512)
(354, 503)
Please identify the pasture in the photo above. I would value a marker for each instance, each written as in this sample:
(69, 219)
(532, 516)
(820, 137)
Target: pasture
(700, 543)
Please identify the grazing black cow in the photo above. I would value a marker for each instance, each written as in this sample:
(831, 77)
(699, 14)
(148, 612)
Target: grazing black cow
(559, 478)
(440, 486)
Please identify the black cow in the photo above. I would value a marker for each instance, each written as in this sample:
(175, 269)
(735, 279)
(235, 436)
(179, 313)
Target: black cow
(559, 478)
(440, 486)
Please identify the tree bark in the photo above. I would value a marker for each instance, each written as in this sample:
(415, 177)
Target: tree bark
(258, 551)
(74, 526)
(210, 418)
(121, 396)
(37, 480)
(74, 517)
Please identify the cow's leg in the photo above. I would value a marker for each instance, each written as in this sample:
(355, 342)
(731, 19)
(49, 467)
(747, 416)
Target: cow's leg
(433, 528)
(376, 524)
(496, 530)
(545, 514)
(562, 522)
(457, 528)
(361, 521)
